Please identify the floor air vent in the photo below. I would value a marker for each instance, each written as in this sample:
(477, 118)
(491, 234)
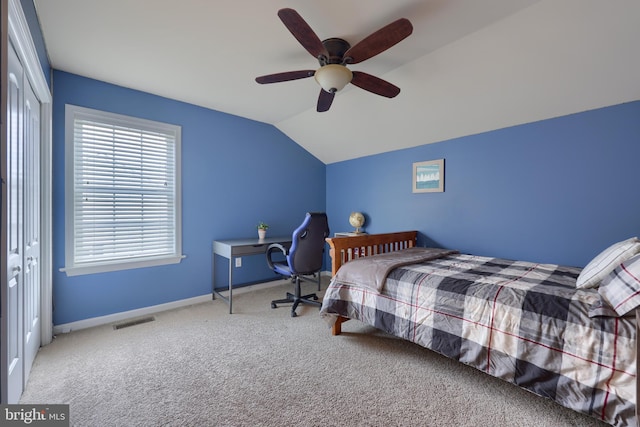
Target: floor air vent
(134, 322)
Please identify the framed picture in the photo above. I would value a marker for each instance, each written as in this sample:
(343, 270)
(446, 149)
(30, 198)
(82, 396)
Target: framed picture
(428, 177)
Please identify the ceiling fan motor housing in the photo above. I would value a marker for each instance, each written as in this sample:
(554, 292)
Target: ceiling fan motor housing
(336, 49)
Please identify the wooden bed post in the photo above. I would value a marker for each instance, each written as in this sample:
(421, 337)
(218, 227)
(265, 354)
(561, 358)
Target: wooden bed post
(345, 249)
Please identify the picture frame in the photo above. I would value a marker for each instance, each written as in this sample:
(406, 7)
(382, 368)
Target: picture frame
(428, 176)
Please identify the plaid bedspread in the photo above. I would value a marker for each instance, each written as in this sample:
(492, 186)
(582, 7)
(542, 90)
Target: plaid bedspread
(522, 322)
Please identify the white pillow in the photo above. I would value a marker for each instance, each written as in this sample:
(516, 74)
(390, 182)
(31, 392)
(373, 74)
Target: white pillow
(606, 262)
(621, 287)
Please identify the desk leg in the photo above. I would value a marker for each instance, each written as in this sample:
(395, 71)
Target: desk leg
(226, 299)
(230, 283)
(213, 275)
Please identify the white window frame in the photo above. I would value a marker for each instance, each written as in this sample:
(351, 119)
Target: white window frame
(72, 266)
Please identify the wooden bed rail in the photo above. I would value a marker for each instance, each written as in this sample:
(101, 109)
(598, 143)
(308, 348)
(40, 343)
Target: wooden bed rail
(345, 249)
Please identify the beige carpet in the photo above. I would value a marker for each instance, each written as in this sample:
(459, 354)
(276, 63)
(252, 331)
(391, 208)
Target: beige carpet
(200, 366)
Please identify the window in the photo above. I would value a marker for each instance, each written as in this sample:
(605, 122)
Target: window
(122, 202)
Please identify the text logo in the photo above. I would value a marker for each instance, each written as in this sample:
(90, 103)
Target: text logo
(35, 415)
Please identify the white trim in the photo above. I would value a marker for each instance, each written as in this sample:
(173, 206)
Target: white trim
(119, 265)
(46, 227)
(145, 311)
(125, 315)
(20, 36)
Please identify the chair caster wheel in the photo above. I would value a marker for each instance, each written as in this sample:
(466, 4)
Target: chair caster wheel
(273, 305)
(315, 297)
(294, 314)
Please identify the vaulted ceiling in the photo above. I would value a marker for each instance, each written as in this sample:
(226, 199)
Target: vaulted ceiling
(470, 65)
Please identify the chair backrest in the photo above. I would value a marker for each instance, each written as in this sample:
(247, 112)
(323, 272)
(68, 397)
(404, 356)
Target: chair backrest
(307, 244)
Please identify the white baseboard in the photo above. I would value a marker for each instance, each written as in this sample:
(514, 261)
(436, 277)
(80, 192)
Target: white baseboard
(125, 315)
(145, 311)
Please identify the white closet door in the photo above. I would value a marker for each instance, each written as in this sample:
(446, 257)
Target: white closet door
(13, 306)
(31, 241)
(21, 217)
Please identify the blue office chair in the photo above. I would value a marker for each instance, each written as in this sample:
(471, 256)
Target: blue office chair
(304, 258)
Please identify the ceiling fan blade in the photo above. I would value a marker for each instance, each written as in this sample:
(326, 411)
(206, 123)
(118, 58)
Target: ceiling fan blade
(325, 99)
(286, 76)
(302, 32)
(374, 84)
(379, 41)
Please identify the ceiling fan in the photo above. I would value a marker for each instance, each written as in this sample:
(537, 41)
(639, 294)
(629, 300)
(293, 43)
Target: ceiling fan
(334, 54)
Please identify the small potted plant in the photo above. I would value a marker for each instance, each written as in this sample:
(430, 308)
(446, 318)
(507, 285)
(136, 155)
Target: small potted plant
(262, 230)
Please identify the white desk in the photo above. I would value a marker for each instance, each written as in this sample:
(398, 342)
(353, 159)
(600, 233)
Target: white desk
(233, 248)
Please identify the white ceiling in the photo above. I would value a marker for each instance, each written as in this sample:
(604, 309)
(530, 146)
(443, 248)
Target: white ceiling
(470, 65)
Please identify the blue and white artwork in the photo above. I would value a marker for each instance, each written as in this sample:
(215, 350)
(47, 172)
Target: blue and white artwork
(428, 176)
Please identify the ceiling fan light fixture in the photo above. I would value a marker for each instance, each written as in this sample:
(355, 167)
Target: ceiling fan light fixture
(333, 77)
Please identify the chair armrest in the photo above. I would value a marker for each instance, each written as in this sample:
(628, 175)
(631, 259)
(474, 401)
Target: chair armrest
(273, 248)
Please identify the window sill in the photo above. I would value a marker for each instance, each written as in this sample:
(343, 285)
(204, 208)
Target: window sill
(120, 265)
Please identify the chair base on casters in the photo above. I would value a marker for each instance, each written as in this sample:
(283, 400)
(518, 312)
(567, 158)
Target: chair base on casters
(297, 299)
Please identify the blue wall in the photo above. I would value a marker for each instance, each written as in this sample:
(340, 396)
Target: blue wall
(556, 191)
(234, 174)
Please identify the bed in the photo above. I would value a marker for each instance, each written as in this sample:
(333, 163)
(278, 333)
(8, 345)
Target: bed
(539, 326)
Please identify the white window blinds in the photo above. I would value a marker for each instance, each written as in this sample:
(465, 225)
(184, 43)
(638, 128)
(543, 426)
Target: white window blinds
(125, 204)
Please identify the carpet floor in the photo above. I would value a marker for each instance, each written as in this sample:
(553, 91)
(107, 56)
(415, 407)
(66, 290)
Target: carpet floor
(200, 366)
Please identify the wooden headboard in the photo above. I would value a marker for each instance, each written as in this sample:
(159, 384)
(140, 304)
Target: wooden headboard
(344, 249)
